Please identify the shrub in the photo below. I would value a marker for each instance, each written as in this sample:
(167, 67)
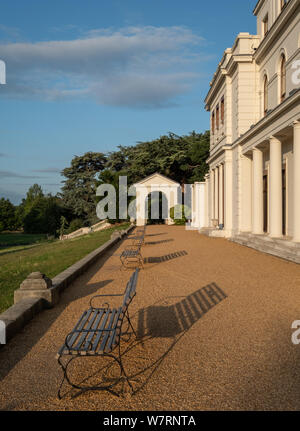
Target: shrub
(182, 213)
(75, 224)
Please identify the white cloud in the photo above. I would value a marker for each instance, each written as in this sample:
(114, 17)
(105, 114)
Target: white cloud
(135, 66)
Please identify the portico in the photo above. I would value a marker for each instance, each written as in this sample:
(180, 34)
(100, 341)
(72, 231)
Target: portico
(274, 187)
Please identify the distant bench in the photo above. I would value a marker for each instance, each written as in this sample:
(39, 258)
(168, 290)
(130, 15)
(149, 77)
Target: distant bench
(132, 253)
(98, 332)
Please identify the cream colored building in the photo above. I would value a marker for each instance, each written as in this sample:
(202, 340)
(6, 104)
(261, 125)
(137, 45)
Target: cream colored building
(253, 185)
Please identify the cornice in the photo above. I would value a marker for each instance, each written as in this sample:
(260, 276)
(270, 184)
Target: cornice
(276, 112)
(276, 30)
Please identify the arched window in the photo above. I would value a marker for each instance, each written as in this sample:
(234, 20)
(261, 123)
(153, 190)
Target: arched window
(282, 78)
(265, 95)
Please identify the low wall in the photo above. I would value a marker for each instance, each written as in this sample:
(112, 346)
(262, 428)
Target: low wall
(86, 230)
(16, 316)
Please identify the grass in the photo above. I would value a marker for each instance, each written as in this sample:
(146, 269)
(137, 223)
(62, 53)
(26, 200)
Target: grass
(50, 258)
(16, 239)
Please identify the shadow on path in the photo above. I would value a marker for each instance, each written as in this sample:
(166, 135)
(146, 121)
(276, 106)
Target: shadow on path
(172, 321)
(159, 242)
(166, 257)
(156, 323)
(23, 342)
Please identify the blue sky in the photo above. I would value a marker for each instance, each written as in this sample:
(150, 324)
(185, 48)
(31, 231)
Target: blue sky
(91, 75)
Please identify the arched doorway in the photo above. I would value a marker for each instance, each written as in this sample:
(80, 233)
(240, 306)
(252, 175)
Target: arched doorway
(164, 192)
(157, 208)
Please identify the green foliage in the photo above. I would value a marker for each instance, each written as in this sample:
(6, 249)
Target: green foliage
(63, 226)
(50, 258)
(79, 190)
(44, 216)
(16, 239)
(75, 224)
(182, 159)
(7, 215)
(34, 193)
(180, 214)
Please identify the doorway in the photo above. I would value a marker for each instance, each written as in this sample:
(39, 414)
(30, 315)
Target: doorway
(265, 199)
(157, 208)
(284, 200)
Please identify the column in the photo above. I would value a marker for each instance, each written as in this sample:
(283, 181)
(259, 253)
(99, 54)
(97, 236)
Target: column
(275, 188)
(228, 196)
(246, 194)
(221, 197)
(212, 196)
(207, 201)
(258, 200)
(296, 173)
(216, 194)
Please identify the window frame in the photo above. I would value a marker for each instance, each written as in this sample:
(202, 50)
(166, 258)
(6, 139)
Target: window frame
(217, 116)
(265, 95)
(213, 122)
(222, 110)
(282, 72)
(265, 23)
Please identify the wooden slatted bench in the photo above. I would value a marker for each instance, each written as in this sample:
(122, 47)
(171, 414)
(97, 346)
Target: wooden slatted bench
(98, 332)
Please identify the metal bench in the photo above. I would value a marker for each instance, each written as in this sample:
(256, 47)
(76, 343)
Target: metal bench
(139, 237)
(98, 333)
(132, 255)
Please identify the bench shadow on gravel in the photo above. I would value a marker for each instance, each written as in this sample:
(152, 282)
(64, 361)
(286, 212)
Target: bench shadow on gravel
(22, 343)
(157, 322)
(166, 257)
(170, 321)
(159, 242)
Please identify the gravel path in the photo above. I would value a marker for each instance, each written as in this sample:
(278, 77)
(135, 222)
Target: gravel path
(214, 332)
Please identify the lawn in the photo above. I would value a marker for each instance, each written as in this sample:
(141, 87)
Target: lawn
(50, 258)
(16, 239)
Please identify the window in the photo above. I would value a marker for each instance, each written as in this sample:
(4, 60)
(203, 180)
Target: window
(265, 25)
(217, 117)
(213, 122)
(282, 78)
(222, 110)
(265, 95)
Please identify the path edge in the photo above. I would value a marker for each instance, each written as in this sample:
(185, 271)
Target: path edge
(19, 314)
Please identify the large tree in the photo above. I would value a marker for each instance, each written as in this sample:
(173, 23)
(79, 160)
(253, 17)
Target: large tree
(182, 158)
(44, 216)
(79, 190)
(7, 215)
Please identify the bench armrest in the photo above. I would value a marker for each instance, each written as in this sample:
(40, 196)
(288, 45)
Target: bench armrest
(102, 296)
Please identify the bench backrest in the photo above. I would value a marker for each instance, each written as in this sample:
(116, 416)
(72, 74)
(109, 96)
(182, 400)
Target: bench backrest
(130, 290)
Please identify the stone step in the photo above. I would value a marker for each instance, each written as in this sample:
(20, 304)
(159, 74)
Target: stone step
(278, 248)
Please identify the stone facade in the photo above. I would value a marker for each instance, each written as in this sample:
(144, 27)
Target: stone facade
(253, 185)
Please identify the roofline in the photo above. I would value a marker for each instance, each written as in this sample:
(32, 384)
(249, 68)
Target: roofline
(258, 6)
(156, 173)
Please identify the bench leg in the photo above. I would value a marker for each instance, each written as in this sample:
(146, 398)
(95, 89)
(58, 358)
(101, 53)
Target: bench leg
(123, 369)
(88, 388)
(129, 321)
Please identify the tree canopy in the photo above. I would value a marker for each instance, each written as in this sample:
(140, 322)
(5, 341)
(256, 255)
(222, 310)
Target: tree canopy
(181, 158)
(79, 189)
